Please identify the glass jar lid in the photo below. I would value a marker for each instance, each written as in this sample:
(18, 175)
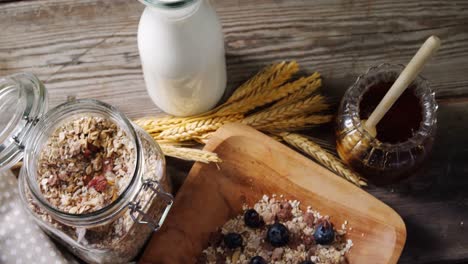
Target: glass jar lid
(23, 100)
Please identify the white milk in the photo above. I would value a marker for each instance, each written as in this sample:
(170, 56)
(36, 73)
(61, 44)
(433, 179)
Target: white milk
(182, 55)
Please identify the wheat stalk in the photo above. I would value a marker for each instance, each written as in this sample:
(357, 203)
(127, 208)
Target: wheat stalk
(295, 123)
(276, 137)
(151, 128)
(303, 93)
(292, 106)
(189, 131)
(190, 154)
(262, 99)
(309, 105)
(249, 86)
(203, 139)
(324, 144)
(323, 157)
(269, 78)
(156, 124)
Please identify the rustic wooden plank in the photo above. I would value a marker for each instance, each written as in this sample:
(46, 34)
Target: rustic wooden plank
(88, 48)
(434, 203)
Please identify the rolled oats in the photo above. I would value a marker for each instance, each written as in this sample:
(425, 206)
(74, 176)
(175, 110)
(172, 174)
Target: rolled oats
(86, 163)
(301, 245)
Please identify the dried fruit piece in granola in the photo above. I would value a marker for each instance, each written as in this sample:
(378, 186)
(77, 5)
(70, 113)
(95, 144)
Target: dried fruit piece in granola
(99, 183)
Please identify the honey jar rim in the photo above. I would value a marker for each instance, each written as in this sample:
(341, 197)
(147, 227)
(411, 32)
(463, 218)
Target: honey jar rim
(423, 90)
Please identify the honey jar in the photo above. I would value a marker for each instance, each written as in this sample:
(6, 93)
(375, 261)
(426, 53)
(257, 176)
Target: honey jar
(405, 135)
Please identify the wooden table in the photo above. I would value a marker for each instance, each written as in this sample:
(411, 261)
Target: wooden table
(88, 48)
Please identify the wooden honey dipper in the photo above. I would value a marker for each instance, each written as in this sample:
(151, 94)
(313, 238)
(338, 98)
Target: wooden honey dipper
(407, 76)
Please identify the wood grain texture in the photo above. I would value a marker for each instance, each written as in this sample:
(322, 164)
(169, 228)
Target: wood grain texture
(254, 165)
(88, 48)
(434, 203)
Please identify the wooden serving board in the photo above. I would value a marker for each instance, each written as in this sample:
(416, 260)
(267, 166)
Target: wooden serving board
(254, 165)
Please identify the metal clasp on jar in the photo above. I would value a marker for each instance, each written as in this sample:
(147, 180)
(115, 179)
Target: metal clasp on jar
(19, 138)
(136, 209)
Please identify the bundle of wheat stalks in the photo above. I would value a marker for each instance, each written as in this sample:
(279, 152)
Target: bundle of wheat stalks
(269, 102)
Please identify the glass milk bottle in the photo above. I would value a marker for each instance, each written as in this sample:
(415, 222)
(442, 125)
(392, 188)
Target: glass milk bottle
(182, 54)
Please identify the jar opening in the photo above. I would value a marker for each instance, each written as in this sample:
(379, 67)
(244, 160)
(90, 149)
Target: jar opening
(403, 119)
(43, 131)
(420, 90)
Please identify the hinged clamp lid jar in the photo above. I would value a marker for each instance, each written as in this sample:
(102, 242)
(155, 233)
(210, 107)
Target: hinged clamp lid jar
(91, 179)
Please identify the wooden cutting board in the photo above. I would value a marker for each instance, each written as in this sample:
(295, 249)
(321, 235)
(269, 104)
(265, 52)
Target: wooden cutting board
(253, 165)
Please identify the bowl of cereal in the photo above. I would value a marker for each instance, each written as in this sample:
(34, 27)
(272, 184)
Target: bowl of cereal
(266, 203)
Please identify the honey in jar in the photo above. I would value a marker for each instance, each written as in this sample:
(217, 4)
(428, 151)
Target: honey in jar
(401, 121)
(404, 135)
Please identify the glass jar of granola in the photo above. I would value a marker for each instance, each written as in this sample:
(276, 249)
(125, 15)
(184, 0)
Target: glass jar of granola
(91, 179)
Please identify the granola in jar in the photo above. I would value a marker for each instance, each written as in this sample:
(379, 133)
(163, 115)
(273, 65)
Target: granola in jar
(276, 230)
(95, 182)
(85, 165)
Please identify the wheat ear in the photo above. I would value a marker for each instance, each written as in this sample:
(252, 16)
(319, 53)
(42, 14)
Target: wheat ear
(156, 124)
(203, 139)
(249, 86)
(262, 99)
(310, 105)
(188, 131)
(303, 93)
(269, 78)
(190, 154)
(295, 123)
(323, 157)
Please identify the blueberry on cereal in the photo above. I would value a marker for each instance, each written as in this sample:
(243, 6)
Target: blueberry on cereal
(257, 260)
(253, 219)
(324, 233)
(233, 240)
(278, 235)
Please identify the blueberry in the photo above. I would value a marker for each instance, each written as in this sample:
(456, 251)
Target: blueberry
(324, 233)
(252, 219)
(307, 262)
(278, 235)
(257, 260)
(233, 240)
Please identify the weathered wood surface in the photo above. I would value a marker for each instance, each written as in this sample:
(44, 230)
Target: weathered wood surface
(88, 48)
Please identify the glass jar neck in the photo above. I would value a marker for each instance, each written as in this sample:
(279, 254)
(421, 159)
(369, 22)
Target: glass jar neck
(46, 126)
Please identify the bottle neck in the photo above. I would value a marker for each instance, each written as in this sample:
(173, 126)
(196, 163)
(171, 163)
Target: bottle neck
(173, 9)
(169, 4)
